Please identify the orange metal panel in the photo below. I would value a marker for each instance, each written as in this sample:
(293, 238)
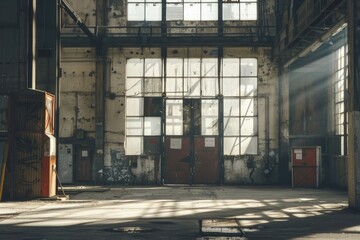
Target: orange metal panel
(48, 177)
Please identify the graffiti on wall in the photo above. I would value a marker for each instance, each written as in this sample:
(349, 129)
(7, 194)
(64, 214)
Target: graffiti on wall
(120, 170)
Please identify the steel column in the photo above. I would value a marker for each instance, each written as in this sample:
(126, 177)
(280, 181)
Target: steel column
(354, 105)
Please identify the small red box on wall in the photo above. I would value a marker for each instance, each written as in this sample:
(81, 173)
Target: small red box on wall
(306, 165)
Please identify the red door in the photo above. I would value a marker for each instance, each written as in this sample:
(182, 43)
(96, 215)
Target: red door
(83, 164)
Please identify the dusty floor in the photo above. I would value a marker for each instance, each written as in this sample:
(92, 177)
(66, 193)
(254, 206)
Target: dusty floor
(173, 212)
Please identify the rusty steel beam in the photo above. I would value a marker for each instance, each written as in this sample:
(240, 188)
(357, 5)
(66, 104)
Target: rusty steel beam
(78, 20)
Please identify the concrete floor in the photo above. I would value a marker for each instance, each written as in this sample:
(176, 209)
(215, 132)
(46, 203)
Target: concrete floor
(173, 212)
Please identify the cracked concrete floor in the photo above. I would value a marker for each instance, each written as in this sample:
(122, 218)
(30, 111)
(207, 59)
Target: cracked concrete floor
(173, 212)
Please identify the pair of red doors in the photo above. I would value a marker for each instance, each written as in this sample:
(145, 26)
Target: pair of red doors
(193, 158)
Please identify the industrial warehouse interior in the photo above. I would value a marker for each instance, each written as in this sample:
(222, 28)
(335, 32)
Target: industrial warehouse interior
(179, 119)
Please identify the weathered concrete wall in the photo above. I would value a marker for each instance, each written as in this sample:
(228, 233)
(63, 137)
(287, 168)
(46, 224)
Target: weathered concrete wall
(77, 88)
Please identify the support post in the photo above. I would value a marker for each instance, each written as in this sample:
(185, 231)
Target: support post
(354, 105)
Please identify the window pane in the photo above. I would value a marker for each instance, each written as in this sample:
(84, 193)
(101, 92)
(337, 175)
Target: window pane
(339, 108)
(339, 85)
(136, 12)
(231, 87)
(134, 106)
(249, 145)
(174, 11)
(133, 145)
(209, 86)
(153, 12)
(134, 67)
(192, 12)
(134, 126)
(248, 107)
(152, 87)
(174, 87)
(248, 67)
(152, 106)
(248, 126)
(192, 67)
(192, 87)
(174, 117)
(343, 145)
(231, 67)
(174, 67)
(231, 107)
(152, 67)
(231, 146)
(174, 126)
(231, 126)
(231, 11)
(248, 11)
(133, 86)
(209, 67)
(152, 126)
(248, 87)
(209, 107)
(209, 11)
(209, 113)
(209, 125)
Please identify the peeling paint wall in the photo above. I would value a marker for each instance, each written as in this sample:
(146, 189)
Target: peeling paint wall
(77, 107)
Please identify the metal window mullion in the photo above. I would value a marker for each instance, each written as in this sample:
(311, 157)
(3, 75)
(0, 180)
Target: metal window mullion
(142, 96)
(201, 75)
(345, 105)
(183, 77)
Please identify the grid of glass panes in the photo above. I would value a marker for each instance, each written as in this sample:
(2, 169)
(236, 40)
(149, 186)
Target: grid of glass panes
(144, 10)
(239, 9)
(340, 81)
(143, 80)
(191, 77)
(192, 10)
(239, 88)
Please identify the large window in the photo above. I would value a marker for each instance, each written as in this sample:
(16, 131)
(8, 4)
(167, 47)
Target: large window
(191, 10)
(239, 85)
(191, 88)
(192, 77)
(339, 87)
(240, 10)
(144, 10)
(143, 104)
